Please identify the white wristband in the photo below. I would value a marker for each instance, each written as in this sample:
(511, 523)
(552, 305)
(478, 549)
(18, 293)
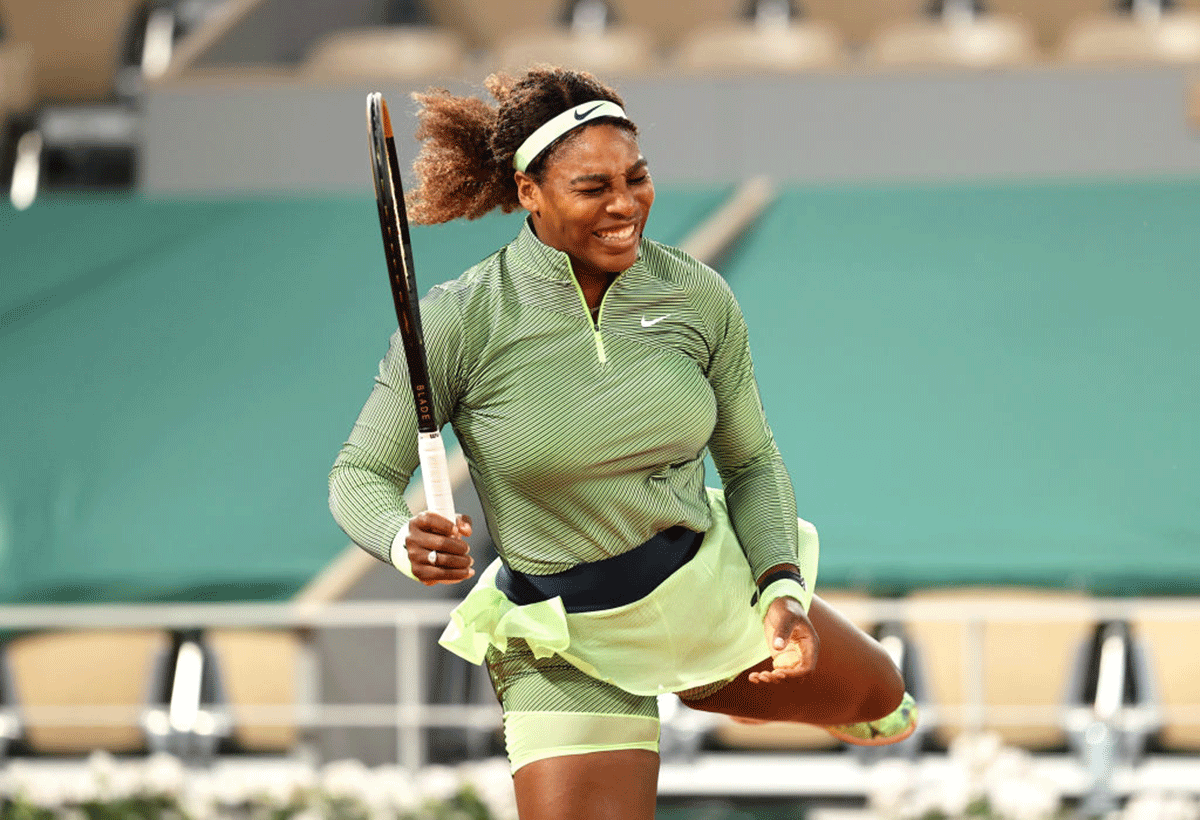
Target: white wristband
(399, 553)
(784, 588)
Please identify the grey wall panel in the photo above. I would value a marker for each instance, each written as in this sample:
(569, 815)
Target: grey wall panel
(1045, 122)
(1020, 124)
(265, 137)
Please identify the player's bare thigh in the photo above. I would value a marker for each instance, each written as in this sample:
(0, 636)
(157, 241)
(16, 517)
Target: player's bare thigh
(855, 680)
(615, 785)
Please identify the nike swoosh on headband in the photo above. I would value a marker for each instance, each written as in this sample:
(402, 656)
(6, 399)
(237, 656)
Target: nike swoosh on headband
(582, 115)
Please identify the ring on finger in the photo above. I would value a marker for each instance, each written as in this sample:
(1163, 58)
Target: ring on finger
(433, 556)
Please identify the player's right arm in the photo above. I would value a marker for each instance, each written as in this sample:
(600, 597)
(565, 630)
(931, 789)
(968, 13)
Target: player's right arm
(377, 461)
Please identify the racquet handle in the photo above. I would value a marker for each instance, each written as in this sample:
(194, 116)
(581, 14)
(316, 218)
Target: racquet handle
(435, 475)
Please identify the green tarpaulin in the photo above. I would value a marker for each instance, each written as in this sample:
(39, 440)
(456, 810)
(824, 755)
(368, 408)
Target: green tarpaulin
(177, 378)
(986, 384)
(970, 384)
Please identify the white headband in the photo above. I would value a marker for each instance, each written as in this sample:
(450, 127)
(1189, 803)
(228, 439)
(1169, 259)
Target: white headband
(555, 127)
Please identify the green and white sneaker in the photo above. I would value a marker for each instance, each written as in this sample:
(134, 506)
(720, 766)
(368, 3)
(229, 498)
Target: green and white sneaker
(893, 728)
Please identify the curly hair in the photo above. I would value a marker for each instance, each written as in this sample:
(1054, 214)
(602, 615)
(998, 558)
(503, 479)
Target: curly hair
(464, 168)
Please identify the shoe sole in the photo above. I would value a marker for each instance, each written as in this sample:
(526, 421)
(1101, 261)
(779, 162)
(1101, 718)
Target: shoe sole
(879, 741)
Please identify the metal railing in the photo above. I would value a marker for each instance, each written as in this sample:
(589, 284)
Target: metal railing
(410, 715)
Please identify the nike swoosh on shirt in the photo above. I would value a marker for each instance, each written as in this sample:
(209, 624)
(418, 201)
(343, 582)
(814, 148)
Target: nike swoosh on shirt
(652, 322)
(580, 115)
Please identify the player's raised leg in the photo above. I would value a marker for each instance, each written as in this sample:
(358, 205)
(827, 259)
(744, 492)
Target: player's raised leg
(855, 681)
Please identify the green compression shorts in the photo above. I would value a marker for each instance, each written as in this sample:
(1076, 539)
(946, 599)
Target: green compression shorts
(552, 708)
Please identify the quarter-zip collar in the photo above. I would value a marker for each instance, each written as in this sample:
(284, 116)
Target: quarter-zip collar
(530, 255)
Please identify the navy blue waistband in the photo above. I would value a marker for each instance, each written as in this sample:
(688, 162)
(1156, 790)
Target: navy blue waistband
(613, 582)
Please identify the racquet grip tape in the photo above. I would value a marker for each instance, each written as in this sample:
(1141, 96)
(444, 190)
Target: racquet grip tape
(435, 474)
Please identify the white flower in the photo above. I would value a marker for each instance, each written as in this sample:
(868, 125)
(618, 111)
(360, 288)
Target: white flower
(1008, 764)
(438, 783)
(275, 787)
(345, 779)
(199, 797)
(922, 803)
(890, 783)
(1024, 798)
(78, 786)
(231, 788)
(101, 768)
(113, 780)
(492, 781)
(395, 790)
(975, 750)
(372, 794)
(308, 814)
(953, 794)
(1156, 805)
(7, 779)
(163, 774)
(1189, 806)
(34, 786)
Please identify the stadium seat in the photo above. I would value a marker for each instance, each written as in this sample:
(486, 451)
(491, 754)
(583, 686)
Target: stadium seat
(107, 669)
(1025, 663)
(10, 720)
(667, 21)
(984, 41)
(76, 44)
(789, 736)
(612, 53)
(486, 25)
(83, 128)
(861, 20)
(1168, 642)
(390, 51)
(1049, 21)
(258, 667)
(1172, 38)
(16, 78)
(16, 104)
(746, 47)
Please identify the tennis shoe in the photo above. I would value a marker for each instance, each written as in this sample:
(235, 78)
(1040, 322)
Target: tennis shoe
(893, 728)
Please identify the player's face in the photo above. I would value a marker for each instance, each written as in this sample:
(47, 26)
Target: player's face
(593, 200)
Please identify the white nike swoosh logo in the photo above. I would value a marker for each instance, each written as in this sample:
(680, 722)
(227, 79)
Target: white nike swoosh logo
(652, 322)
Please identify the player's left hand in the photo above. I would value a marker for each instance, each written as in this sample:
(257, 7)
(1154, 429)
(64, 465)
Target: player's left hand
(792, 640)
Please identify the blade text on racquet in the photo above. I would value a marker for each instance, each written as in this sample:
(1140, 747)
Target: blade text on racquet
(397, 247)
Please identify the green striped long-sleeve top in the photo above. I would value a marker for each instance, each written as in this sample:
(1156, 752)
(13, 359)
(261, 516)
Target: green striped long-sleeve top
(584, 436)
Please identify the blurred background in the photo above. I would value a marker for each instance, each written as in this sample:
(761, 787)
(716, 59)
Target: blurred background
(964, 237)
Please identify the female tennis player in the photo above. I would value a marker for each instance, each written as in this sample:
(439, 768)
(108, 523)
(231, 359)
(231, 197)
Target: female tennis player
(587, 370)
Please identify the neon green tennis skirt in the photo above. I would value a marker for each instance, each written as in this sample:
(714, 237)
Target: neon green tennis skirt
(697, 627)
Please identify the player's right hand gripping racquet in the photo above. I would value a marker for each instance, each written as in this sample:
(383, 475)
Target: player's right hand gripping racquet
(393, 221)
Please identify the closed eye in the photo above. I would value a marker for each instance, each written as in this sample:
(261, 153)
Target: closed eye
(640, 179)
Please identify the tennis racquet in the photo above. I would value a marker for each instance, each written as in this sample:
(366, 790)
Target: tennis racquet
(393, 221)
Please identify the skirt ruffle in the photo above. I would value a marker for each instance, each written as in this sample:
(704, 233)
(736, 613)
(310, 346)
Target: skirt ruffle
(697, 627)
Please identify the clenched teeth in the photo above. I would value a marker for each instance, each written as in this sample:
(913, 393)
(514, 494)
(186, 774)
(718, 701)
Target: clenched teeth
(617, 233)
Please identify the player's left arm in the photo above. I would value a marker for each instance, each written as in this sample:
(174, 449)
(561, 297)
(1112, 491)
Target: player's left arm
(761, 501)
(758, 488)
